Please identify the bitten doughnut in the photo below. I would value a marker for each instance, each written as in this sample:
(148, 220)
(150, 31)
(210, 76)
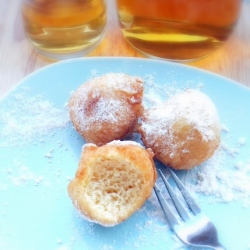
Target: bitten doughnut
(112, 181)
(107, 108)
(182, 132)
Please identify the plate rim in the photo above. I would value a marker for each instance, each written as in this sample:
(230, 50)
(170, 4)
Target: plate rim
(116, 58)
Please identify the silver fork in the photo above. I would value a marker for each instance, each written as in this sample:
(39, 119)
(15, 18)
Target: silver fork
(192, 227)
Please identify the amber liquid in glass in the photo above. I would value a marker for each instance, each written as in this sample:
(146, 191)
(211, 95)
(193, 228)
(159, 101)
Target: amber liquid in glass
(177, 29)
(58, 28)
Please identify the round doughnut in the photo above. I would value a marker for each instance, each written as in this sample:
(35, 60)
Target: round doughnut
(184, 131)
(112, 181)
(106, 108)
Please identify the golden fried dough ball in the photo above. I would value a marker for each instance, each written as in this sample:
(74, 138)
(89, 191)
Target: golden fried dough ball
(106, 108)
(184, 131)
(112, 181)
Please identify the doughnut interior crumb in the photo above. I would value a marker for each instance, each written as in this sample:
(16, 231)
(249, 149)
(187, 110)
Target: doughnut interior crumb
(112, 182)
(114, 186)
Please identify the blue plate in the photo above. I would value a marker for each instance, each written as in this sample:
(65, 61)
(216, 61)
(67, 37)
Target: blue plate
(39, 154)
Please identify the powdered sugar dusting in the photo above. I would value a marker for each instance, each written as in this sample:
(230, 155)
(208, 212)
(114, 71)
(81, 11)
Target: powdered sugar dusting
(106, 110)
(121, 82)
(124, 143)
(193, 106)
(218, 183)
(30, 118)
(105, 99)
(22, 176)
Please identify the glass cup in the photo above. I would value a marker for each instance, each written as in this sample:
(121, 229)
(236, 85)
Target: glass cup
(177, 30)
(62, 29)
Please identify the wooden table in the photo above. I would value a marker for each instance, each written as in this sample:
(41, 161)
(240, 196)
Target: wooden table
(18, 58)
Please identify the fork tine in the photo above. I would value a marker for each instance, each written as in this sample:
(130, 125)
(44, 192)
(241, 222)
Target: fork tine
(179, 207)
(198, 230)
(190, 201)
(172, 221)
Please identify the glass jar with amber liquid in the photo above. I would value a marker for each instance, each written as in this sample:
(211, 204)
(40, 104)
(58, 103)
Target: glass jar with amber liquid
(61, 29)
(177, 30)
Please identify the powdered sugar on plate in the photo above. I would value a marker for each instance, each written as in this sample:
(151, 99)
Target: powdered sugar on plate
(42, 152)
(218, 183)
(24, 118)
